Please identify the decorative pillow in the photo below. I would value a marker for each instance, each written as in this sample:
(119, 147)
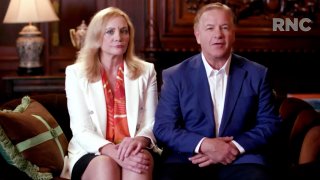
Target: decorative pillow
(32, 140)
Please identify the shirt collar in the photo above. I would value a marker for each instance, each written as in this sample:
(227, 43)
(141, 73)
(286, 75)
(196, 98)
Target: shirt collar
(209, 69)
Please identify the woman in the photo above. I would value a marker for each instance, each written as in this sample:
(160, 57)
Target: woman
(112, 96)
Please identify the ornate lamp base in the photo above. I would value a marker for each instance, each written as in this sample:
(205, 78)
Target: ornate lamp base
(29, 46)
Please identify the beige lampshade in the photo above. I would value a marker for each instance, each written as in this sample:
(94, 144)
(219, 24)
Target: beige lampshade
(30, 43)
(30, 11)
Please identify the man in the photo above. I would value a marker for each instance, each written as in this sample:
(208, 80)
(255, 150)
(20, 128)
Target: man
(215, 114)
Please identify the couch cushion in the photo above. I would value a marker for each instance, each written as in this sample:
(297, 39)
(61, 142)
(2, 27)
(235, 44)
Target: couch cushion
(32, 140)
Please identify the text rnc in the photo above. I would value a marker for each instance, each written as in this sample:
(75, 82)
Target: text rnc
(286, 24)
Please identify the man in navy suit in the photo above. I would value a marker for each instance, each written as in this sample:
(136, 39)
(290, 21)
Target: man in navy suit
(215, 115)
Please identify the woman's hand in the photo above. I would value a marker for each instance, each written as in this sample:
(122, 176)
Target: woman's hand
(139, 163)
(131, 146)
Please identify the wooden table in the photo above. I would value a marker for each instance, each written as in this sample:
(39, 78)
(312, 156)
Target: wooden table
(18, 86)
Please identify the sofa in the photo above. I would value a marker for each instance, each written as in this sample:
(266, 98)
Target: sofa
(294, 152)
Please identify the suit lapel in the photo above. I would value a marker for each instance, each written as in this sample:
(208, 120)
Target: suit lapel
(235, 82)
(132, 100)
(203, 90)
(96, 96)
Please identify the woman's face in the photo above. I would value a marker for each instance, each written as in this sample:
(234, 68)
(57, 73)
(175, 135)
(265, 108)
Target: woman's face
(116, 37)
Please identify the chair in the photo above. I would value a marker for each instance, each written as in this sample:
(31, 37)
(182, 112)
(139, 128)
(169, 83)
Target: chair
(279, 154)
(291, 107)
(309, 160)
(305, 120)
(310, 150)
(289, 110)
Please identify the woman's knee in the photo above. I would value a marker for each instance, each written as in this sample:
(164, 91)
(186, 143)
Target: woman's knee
(104, 162)
(103, 166)
(149, 156)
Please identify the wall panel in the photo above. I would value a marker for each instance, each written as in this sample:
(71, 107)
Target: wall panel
(164, 35)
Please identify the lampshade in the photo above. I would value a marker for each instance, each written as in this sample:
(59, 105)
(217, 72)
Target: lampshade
(30, 11)
(30, 43)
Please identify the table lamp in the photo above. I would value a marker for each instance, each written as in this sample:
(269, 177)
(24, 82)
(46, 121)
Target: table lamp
(30, 42)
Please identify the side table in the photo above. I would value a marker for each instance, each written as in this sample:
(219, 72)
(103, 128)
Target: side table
(18, 86)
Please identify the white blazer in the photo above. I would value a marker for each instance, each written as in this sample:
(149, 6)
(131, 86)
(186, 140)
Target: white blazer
(87, 110)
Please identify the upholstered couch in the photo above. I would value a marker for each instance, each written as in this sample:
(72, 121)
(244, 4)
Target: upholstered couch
(296, 149)
(294, 153)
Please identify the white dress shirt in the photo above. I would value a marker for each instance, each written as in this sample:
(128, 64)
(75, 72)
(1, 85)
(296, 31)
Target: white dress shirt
(217, 80)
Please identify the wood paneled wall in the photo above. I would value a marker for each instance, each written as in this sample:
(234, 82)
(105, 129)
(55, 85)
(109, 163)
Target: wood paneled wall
(292, 56)
(164, 35)
(58, 51)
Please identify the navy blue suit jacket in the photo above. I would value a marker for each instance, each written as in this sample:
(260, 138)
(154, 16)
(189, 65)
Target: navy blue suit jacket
(185, 110)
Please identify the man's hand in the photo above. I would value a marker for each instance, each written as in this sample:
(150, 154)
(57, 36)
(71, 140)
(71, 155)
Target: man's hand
(214, 151)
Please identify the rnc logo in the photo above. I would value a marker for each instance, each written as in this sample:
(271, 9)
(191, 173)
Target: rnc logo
(284, 24)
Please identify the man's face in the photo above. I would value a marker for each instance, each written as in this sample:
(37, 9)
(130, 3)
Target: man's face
(216, 34)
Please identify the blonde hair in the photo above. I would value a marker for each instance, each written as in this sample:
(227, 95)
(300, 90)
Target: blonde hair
(89, 53)
(208, 7)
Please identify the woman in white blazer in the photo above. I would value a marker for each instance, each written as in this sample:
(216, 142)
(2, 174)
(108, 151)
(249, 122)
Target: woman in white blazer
(109, 45)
